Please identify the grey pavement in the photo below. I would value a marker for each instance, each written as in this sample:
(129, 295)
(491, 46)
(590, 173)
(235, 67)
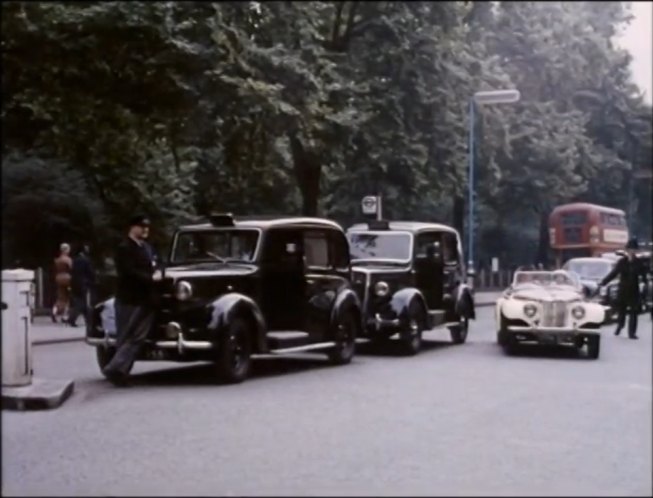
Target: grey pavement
(454, 420)
(45, 332)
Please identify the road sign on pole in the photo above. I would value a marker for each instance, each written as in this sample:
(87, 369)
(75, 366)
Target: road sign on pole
(370, 204)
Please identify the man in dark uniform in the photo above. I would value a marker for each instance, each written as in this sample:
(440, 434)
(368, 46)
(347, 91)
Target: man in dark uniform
(629, 270)
(134, 306)
(82, 285)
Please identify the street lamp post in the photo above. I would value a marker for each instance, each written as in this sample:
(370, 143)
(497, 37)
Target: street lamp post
(488, 97)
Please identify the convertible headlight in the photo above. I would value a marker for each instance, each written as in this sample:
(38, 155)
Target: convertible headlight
(578, 312)
(530, 310)
(381, 289)
(184, 290)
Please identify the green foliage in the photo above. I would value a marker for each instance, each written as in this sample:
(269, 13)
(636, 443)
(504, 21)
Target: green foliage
(183, 108)
(43, 205)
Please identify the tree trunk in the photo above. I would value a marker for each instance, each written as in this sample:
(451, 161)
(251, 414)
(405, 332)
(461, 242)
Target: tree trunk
(543, 245)
(307, 171)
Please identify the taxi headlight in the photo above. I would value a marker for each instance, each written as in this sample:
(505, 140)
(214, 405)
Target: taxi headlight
(184, 290)
(578, 312)
(381, 289)
(530, 310)
(172, 330)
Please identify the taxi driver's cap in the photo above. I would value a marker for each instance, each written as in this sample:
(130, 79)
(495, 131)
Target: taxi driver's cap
(139, 220)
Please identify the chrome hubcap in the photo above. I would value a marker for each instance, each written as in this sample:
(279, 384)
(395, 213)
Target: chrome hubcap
(236, 350)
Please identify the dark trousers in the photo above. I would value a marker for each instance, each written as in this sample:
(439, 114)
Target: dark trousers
(632, 312)
(79, 306)
(134, 324)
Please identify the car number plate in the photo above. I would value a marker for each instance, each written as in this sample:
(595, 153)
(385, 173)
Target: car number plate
(548, 339)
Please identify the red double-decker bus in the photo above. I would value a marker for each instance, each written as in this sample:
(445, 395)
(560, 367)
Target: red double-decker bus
(584, 230)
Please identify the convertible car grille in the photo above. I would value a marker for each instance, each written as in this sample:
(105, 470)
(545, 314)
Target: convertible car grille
(554, 314)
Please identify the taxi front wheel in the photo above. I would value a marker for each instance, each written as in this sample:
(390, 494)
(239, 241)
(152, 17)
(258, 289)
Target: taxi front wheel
(234, 353)
(345, 339)
(411, 337)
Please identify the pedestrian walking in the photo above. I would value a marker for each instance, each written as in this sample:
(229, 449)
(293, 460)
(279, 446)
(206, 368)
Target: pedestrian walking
(62, 277)
(133, 301)
(628, 302)
(82, 285)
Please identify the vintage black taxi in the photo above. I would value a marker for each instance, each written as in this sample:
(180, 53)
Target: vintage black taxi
(410, 277)
(235, 288)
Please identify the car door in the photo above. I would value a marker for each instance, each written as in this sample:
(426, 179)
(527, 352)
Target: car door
(323, 280)
(451, 260)
(429, 271)
(283, 283)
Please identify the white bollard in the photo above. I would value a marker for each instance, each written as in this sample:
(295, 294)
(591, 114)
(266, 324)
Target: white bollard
(16, 324)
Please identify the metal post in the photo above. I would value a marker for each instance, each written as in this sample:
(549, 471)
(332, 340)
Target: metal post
(16, 338)
(379, 205)
(470, 241)
(39, 288)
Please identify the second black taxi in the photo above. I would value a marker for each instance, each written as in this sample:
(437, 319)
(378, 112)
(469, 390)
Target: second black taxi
(410, 277)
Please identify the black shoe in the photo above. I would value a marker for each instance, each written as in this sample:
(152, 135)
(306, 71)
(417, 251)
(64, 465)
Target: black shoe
(633, 337)
(119, 380)
(72, 324)
(617, 332)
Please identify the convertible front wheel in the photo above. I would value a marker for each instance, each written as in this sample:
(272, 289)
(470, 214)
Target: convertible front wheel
(593, 346)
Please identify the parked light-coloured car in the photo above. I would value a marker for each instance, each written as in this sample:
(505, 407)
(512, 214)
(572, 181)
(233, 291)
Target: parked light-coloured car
(548, 307)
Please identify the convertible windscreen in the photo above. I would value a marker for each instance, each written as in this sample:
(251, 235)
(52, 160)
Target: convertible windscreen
(544, 278)
(388, 245)
(215, 245)
(591, 270)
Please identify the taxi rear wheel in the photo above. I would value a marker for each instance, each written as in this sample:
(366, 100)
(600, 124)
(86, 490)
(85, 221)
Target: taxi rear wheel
(459, 332)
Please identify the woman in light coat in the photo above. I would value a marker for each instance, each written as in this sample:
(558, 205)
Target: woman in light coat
(63, 265)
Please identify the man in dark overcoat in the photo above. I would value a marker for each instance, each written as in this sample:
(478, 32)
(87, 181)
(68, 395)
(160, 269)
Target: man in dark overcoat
(629, 270)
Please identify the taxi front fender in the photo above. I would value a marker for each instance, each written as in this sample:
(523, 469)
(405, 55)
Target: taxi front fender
(346, 301)
(401, 301)
(233, 305)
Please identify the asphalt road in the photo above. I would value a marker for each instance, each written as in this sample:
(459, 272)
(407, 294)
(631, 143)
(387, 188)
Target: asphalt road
(455, 420)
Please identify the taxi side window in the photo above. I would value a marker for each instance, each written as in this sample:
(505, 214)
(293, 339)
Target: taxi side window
(450, 248)
(316, 249)
(424, 240)
(339, 251)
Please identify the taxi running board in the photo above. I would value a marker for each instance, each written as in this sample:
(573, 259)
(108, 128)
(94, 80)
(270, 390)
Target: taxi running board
(307, 347)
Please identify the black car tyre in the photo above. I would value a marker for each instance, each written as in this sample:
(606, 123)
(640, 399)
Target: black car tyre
(411, 338)
(502, 334)
(593, 346)
(459, 332)
(345, 339)
(233, 360)
(104, 356)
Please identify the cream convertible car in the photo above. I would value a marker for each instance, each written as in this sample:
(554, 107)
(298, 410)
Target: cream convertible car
(544, 307)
